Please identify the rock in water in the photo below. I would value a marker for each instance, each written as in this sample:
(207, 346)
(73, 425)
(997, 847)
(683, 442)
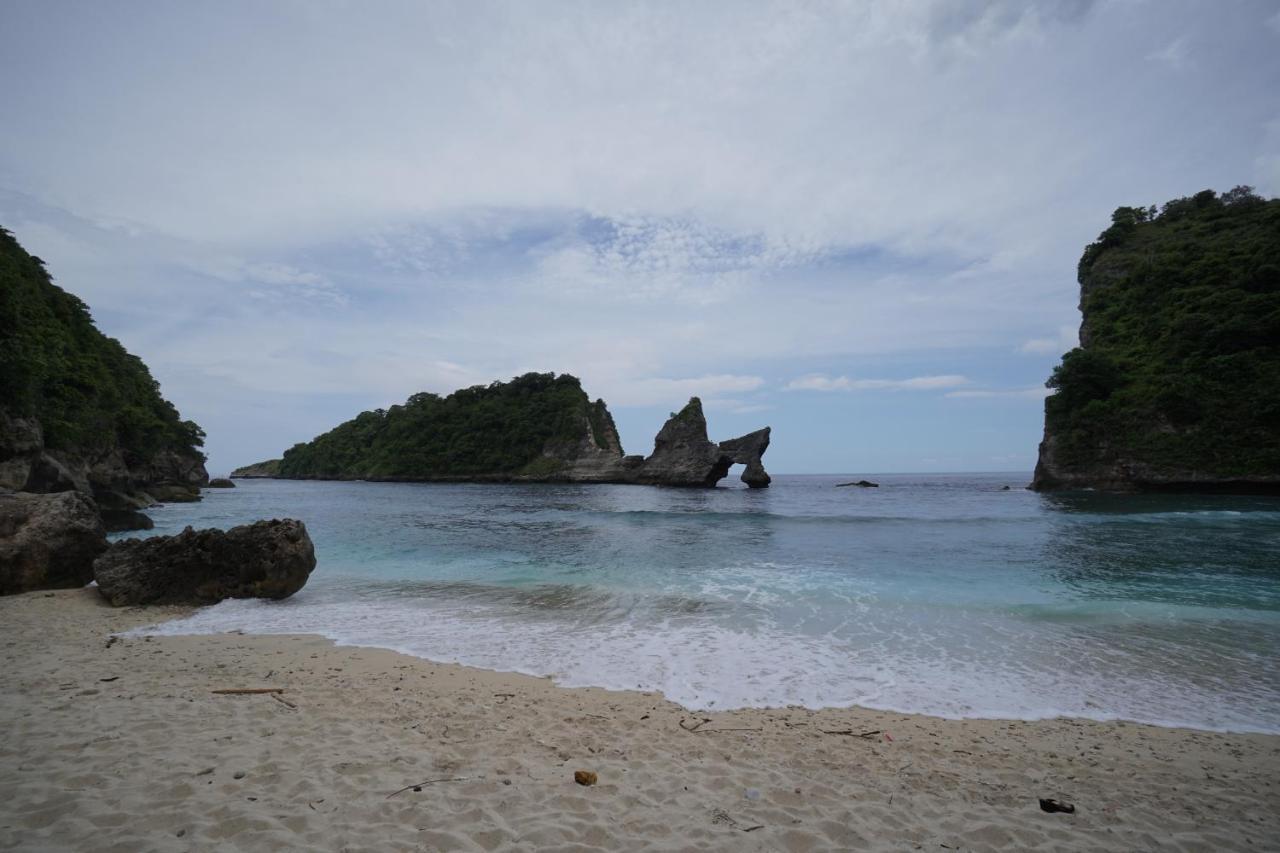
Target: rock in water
(48, 541)
(266, 559)
(221, 483)
(684, 456)
(118, 520)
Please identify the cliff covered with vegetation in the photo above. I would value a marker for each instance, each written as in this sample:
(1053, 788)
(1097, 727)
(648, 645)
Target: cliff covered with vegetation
(539, 427)
(533, 424)
(1176, 382)
(77, 411)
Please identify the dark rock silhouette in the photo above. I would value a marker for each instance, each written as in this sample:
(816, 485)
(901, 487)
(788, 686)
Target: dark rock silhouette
(118, 520)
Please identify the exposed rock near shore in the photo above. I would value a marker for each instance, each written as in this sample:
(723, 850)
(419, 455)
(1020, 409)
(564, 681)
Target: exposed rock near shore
(48, 541)
(267, 559)
(120, 520)
(221, 483)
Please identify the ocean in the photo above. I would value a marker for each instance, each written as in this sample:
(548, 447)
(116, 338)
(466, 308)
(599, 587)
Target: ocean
(934, 594)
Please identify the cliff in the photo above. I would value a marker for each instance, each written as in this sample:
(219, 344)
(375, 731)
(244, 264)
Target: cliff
(77, 411)
(539, 427)
(1176, 383)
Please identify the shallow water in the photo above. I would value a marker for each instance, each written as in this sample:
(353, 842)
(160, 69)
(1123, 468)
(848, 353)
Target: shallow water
(937, 594)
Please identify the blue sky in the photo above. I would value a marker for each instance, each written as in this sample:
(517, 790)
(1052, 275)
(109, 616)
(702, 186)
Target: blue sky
(858, 223)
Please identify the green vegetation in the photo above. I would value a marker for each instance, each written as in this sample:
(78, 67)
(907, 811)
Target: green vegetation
(88, 393)
(488, 430)
(1180, 367)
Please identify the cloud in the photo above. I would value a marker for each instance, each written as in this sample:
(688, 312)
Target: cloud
(651, 196)
(1175, 54)
(1037, 393)
(1068, 338)
(661, 391)
(820, 382)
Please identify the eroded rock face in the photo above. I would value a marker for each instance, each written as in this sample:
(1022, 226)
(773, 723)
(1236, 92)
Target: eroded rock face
(267, 559)
(682, 453)
(747, 450)
(111, 479)
(48, 541)
(682, 456)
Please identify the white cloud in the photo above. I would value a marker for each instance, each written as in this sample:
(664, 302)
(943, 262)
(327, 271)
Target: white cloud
(1175, 54)
(820, 382)
(676, 392)
(1068, 338)
(621, 191)
(1037, 393)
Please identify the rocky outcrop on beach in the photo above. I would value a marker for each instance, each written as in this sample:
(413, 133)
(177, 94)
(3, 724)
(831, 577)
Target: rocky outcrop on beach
(266, 559)
(1174, 384)
(48, 541)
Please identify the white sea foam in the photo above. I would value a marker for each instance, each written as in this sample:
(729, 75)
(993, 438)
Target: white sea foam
(701, 665)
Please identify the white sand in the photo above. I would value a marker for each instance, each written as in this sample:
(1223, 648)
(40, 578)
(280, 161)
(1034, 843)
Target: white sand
(153, 760)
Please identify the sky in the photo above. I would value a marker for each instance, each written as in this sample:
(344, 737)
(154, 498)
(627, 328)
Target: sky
(855, 222)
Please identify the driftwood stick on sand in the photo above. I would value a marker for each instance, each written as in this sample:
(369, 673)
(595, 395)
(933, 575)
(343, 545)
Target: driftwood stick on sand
(727, 729)
(283, 701)
(851, 733)
(246, 690)
(417, 785)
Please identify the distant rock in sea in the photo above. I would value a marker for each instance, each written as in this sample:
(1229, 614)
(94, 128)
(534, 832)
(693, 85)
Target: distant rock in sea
(267, 559)
(1176, 383)
(539, 427)
(221, 483)
(862, 484)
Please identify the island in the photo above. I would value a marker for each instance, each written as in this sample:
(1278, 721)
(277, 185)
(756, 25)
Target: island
(539, 427)
(1176, 383)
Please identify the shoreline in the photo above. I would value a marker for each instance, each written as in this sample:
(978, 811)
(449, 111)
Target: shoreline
(121, 744)
(659, 694)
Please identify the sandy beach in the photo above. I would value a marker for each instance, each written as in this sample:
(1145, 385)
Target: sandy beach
(121, 744)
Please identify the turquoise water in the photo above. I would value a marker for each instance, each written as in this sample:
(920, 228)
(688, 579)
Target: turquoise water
(937, 594)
